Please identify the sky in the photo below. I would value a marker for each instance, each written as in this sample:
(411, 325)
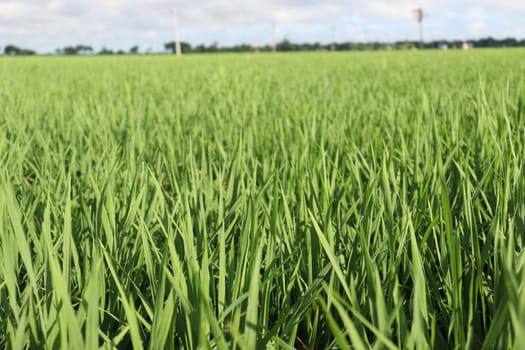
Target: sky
(45, 25)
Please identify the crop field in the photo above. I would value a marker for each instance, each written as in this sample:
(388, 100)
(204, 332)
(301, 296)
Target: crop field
(308, 201)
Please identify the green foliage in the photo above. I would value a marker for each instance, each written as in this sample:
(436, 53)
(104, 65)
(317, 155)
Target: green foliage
(74, 50)
(13, 50)
(263, 201)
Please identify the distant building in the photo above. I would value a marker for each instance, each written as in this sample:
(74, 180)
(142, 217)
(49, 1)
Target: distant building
(443, 47)
(467, 46)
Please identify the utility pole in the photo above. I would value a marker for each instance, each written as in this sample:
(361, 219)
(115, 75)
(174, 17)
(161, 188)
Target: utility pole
(178, 50)
(274, 36)
(333, 38)
(419, 17)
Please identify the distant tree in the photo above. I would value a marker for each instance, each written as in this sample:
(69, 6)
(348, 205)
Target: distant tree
(11, 50)
(200, 48)
(266, 48)
(170, 46)
(69, 50)
(487, 42)
(184, 46)
(105, 51)
(84, 49)
(240, 48)
(510, 42)
(286, 45)
(214, 47)
(15, 50)
(75, 50)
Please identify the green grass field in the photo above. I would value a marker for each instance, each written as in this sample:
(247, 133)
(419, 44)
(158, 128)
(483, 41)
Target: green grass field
(306, 201)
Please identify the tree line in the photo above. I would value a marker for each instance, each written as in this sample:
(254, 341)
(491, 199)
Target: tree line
(287, 45)
(284, 45)
(13, 50)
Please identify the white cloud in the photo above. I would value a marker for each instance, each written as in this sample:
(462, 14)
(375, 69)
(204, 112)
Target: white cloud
(401, 10)
(476, 28)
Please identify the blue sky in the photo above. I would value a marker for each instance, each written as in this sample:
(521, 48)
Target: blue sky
(47, 24)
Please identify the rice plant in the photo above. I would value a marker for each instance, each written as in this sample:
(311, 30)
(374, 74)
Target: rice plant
(321, 200)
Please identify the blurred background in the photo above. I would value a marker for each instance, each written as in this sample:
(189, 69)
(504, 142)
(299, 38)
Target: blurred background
(147, 26)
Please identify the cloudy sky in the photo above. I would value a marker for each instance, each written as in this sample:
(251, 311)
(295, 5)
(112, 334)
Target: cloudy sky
(119, 24)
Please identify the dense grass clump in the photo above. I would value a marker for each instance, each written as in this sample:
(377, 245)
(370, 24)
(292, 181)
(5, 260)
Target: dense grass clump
(263, 201)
